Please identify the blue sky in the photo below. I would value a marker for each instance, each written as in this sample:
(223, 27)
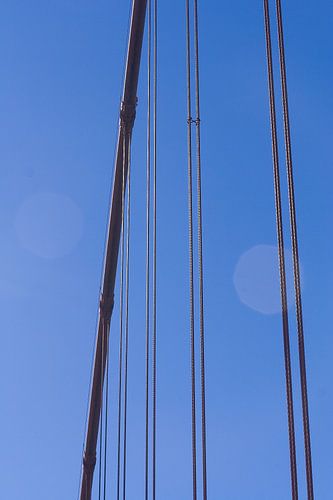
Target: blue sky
(61, 76)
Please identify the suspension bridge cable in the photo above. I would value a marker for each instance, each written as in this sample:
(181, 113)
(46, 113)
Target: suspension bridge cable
(149, 14)
(101, 424)
(121, 313)
(190, 239)
(200, 253)
(106, 328)
(128, 226)
(297, 281)
(154, 332)
(280, 237)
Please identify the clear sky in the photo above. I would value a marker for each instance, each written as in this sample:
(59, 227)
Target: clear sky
(61, 75)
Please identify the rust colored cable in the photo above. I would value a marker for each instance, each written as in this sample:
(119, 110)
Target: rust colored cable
(297, 281)
(200, 255)
(101, 429)
(121, 314)
(106, 333)
(127, 270)
(191, 258)
(282, 267)
(154, 331)
(148, 253)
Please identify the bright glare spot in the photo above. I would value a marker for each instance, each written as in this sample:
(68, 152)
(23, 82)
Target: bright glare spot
(257, 279)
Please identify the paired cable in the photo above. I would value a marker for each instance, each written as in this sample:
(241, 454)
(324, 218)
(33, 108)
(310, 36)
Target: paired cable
(124, 290)
(191, 256)
(106, 333)
(128, 224)
(297, 279)
(101, 422)
(296, 266)
(197, 122)
(151, 209)
(102, 475)
(282, 267)
(148, 167)
(200, 254)
(154, 332)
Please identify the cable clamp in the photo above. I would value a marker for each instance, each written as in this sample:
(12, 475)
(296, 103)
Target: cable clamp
(127, 115)
(106, 307)
(191, 121)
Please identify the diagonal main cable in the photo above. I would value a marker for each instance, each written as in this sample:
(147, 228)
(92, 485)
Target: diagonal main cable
(283, 284)
(297, 280)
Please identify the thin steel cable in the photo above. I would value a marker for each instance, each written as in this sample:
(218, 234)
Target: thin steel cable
(154, 332)
(107, 327)
(148, 249)
(121, 313)
(101, 424)
(297, 281)
(200, 255)
(128, 227)
(190, 239)
(283, 283)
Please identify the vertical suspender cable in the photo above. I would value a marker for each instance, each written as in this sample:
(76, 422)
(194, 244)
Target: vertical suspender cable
(154, 251)
(297, 281)
(190, 231)
(148, 249)
(283, 285)
(200, 254)
(101, 430)
(106, 334)
(128, 227)
(121, 312)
